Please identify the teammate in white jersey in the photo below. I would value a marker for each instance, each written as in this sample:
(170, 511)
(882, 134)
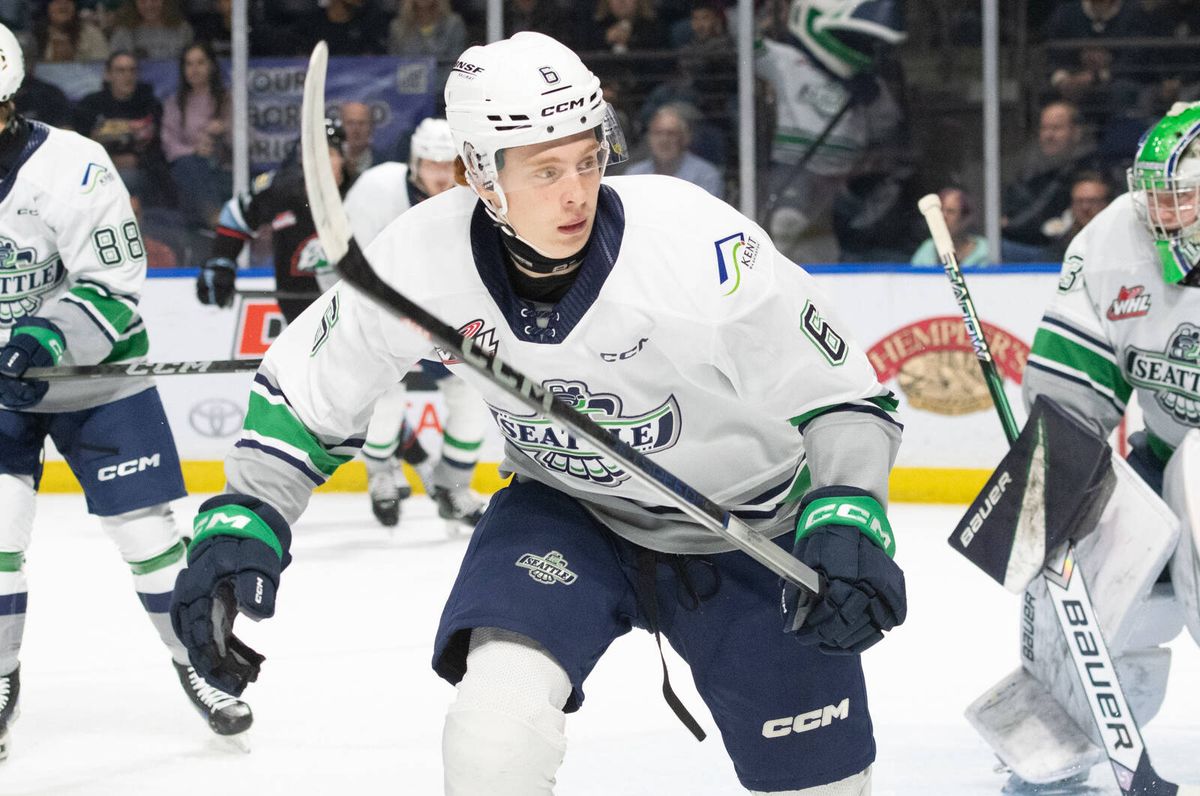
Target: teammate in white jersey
(380, 195)
(71, 266)
(669, 318)
(1125, 319)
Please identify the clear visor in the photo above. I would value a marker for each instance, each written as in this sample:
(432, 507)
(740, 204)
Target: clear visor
(1169, 207)
(580, 156)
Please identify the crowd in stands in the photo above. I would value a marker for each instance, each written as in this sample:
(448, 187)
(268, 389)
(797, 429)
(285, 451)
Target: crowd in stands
(840, 165)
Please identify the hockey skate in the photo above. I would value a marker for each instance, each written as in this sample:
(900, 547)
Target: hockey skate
(10, 690)
(384, 490)
(227, 715)
(458, 507)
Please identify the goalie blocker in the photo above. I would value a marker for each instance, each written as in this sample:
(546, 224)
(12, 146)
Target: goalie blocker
(1050, 488)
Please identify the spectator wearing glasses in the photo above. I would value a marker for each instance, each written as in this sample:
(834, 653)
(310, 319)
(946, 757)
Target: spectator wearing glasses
(1090, 193)
(670, 136)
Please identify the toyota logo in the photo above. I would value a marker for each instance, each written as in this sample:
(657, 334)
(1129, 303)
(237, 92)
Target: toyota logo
(215, 417)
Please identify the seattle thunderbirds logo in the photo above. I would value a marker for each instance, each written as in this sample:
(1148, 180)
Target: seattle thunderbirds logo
(557, 450)
(24, 281)
(1174, 375)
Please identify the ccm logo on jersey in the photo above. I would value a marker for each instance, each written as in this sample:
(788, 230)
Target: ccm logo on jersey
(625, 354)
(989, 503)
(1131, 302)
(130, 467)
(804, 722)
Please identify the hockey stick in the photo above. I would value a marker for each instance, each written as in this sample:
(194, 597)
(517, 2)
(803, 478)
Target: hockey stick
(340, 247)
(1115, 724)
(143, 369)
(279, 295)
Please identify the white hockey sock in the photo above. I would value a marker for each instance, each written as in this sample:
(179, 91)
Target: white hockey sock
(504, 733)
(855, 785)
(16, 527)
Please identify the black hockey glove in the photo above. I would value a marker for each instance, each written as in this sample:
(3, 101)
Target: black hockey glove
(214, 284)
(241, 546)
(844, 534)
(35, 343)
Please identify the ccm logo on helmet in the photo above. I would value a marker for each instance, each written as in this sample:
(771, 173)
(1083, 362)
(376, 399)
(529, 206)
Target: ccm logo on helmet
(562, 106)
(127, 468)
(812, 720)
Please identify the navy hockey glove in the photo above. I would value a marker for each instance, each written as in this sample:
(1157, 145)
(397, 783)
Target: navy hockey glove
(35, 343)
(844, 534)
(214, 284)
(234, 560)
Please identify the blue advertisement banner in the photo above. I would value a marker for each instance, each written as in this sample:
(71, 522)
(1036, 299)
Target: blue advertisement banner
(400, 92)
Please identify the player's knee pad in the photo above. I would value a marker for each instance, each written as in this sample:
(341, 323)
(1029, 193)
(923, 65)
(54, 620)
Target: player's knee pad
(1179, 490)
(504, 733)
(150, 543)
(387, 416)
(16, 512)
(855, 785)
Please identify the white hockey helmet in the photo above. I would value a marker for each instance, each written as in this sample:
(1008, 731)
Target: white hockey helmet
(844, 35)
(523, 90)
(432, 141)
(12, 64)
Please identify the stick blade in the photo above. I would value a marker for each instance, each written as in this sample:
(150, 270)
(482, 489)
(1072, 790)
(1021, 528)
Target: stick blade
(324, 199)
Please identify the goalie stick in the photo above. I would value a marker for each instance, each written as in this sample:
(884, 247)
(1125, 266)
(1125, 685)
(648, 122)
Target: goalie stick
(184, 368)
(1117, 728)
(340, 247)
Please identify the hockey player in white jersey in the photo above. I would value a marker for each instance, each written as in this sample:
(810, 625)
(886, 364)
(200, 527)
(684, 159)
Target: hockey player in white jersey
(71, 266)
(380, 195)
(669, 318)
(1125, 320)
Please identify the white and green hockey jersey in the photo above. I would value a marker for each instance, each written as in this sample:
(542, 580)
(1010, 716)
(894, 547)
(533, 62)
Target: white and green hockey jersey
(1114, 327)
(71, 252)
(685, 333)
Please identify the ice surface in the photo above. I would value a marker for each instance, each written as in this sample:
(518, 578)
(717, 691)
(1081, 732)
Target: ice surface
(347, 703)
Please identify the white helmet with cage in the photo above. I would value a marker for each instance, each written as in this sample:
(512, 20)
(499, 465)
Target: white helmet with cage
(12, 64)
(432, 141)
(527, 89)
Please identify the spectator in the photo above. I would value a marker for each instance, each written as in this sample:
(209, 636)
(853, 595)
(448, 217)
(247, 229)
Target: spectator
(216, 28)
(349, 27)
(539, 16)
(427, 27)
(359, 129)
(620, 26)
(196, 136)
(959, 212)
(151, 29)
(1090, 193)
(63, 36)
(126, 118)
(1042, 189)
(670, 136)
(706, 28)
(37, 99)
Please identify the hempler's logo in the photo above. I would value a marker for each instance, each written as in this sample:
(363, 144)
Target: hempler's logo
(549, 569)
(1131, 302)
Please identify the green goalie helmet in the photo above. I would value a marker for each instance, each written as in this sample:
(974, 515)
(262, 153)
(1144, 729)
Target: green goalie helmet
(1165, 183)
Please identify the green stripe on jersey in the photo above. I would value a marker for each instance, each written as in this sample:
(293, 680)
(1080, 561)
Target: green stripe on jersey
(276, 421)
(118, 313)
(11, 562)
(137, 345)
(1101, 370)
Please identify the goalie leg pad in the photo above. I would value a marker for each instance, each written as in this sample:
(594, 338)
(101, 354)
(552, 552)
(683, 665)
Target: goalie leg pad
(504, 733)
(16, 527)
(387, 416)
(1183, 471)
